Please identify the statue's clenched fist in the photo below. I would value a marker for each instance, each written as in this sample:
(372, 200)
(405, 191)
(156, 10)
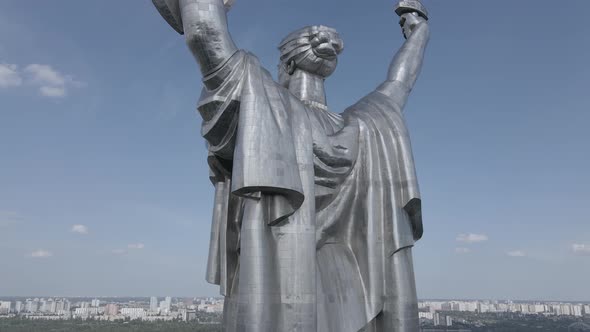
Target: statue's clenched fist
(409, 21)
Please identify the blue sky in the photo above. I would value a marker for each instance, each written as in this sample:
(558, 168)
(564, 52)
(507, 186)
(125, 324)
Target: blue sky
(98, 129)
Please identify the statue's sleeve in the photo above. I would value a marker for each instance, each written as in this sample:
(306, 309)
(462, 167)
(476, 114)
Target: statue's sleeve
(383, 118)
(219, 107)
(248, 129)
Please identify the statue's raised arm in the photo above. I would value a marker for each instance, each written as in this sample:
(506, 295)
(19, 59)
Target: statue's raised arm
(315, 212)
(204, 23)
(407, 63)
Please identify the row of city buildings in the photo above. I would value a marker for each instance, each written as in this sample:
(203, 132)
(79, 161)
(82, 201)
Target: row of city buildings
(440, 311)
(186, 309)
(554, 308)
(63, 308)
(57, 306)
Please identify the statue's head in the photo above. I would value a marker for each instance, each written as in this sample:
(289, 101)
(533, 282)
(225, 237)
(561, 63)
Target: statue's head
(313, 49)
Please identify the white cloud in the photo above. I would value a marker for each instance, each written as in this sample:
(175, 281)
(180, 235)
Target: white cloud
(51, 82)
(472, 238)
(136, 246)
(132, 246)
(462, 250)
(9, 76)
(581, 249)
(46, 75)
(52, 91)
(8, 218)
(119, 251)
(80, 229)
(41, 254)
(516, 253)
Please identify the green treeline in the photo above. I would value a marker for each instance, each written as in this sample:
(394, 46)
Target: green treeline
(76, 325)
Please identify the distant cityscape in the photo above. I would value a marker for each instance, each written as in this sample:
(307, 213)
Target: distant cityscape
(435, 312)
(111, 309)
(442, 312)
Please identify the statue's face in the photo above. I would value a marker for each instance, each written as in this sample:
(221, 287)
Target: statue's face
(325, 47)
(313, 49)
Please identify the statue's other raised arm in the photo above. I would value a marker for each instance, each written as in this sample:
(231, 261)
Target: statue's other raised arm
(207, 35)
(204, 23)
(407, 63)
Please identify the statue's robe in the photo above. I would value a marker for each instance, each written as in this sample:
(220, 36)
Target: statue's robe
(310, 205)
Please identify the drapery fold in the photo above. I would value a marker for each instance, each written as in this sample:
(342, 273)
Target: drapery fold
(362, 205)
(249, 123)
(263, 231)
(387, 122)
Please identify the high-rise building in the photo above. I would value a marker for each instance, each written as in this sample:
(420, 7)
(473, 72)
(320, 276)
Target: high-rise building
(154, 304)
(59, 305)
(441, 320)
(190, 315)
(52, 306)
(5, 307)
(426, 315)
(18, 307)
(437, 319)
(484, 307)
(43, 305)
(85, 312)
(29, 306)
(449, 321)
(95, 303)
(111, 309)
(165, 305)
(133, 313)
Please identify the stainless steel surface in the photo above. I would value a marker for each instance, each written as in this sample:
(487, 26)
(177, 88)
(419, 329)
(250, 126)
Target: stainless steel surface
(408, 6)
(170, 11)
(315, 212)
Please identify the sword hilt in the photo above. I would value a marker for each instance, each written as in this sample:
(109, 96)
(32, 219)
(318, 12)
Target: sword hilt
(409, 6)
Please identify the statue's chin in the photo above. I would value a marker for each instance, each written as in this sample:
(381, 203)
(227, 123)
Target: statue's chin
(328, 68)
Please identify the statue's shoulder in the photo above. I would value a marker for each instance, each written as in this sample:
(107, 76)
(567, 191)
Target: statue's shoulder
(369, 104)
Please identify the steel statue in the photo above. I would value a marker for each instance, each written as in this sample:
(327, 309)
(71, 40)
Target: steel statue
(316, 212)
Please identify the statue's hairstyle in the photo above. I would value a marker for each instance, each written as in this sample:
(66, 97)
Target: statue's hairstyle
(302, 49)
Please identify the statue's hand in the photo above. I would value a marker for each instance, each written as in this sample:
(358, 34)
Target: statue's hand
(409, 21)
